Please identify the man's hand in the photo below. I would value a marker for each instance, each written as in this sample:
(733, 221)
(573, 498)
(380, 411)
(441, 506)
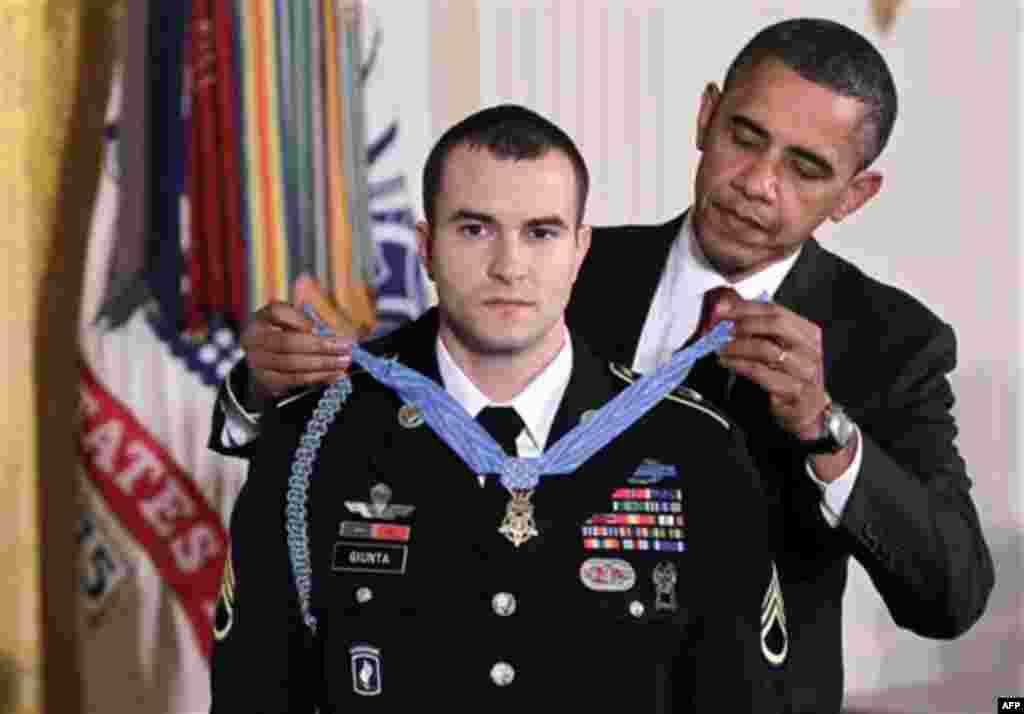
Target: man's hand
(782, 352)
(283, 353)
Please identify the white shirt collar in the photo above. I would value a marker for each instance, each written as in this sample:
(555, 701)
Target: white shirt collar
(699, 276)
(537, 404)
(676, 306)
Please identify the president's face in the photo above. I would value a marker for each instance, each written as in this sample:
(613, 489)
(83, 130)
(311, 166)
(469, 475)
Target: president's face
(779, 155)
(505, 250)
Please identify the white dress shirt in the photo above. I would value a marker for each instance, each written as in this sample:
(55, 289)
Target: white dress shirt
(675, 311)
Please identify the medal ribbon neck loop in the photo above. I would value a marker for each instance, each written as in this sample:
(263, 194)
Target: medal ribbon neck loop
(470, 441)
(484, 455)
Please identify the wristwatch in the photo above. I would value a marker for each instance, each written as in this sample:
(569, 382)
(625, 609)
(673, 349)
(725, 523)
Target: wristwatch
(836, 432)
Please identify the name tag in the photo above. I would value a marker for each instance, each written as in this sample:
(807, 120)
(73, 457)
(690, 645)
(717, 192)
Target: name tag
(352, 557)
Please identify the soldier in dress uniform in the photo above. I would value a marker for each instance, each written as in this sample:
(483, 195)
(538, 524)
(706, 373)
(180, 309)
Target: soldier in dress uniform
(373, 568)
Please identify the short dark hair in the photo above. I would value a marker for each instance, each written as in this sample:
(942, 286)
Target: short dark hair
(833, 56)
(508, 131)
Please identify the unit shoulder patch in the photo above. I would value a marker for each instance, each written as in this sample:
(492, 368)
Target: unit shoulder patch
(680, 395)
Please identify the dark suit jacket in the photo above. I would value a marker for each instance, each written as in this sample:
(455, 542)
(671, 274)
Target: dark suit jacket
(910, 520)
(434, 626)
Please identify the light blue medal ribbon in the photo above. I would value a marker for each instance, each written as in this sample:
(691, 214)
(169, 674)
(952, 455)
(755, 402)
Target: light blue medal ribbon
(482, 453)
(464, 435)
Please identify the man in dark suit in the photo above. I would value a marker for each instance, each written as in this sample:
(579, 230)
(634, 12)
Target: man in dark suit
(839, 381)
(641, 579)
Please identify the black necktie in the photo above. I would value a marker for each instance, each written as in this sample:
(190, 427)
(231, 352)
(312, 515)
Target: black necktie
(504, 424)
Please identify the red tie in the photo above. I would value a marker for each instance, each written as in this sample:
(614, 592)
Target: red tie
(707, 310)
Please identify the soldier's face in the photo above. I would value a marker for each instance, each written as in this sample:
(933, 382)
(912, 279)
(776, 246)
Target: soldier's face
(779, 155)
(505, 250)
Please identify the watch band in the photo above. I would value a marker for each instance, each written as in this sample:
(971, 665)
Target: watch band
(836, 432)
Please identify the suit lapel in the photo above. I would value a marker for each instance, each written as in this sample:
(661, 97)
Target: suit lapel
(633, 259)
(809, 291)
(650, 263)
(806, 289)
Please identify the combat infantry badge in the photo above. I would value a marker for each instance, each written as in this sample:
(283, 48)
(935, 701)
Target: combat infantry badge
(518, 525)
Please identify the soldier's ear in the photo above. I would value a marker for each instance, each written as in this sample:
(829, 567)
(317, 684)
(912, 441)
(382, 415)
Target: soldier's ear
(582, 248)
(424, 246)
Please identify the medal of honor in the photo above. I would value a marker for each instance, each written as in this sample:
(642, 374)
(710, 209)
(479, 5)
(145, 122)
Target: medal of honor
(518, 525)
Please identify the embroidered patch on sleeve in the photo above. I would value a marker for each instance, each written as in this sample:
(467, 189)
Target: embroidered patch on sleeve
(774, 638)
(225, 616)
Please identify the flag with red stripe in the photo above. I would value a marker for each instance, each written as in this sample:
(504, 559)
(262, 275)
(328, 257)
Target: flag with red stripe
(238, 169)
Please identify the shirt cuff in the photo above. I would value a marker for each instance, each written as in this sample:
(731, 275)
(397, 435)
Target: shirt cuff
(835, 495)
(240, 426)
